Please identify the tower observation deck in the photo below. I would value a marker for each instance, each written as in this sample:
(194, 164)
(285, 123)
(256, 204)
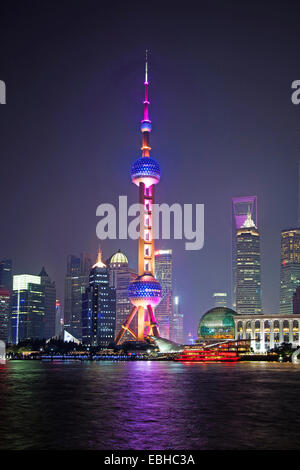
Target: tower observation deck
(145, 291)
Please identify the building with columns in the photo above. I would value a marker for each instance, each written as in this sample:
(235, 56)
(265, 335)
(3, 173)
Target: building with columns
(264, 331)
(267, 331)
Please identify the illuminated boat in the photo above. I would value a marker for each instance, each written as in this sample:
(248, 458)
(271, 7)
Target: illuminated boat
(223, 351)
(207, 355)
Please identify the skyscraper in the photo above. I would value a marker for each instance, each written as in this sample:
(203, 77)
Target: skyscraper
(241, 207)
(59, 320)
(50, 301)
(6, 274)
(120, 276)
(145, 291)
(77, 278)
(248, 277)
(164, 311)
(4, 313)
(220, 299)
(289, 269)
(27, 308)
(98, 307)
(178, 327)
(5, 295)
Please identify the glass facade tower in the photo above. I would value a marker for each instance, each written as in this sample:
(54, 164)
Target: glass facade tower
(77, 278)
(241, 207)
(6, 274)
(98, 307)
(178, 327)
(50, 301)
(164, 311)
(4, 313)
(27, 308)
(248, 275)
(289, 269)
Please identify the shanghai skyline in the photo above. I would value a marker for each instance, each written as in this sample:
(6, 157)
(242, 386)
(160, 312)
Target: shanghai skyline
(76, 109)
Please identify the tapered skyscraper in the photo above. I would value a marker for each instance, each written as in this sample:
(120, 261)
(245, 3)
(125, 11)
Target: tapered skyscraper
(248, 276)
(98, 307)
(145, 292)
(241, 207)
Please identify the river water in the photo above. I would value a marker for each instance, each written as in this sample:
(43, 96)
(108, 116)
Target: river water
(149, 405)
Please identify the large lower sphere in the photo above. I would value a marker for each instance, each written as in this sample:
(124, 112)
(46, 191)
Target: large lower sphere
(145, 290)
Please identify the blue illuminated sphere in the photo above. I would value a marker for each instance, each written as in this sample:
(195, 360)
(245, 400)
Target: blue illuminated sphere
(145, 290)
(145, 170)
(146, 126)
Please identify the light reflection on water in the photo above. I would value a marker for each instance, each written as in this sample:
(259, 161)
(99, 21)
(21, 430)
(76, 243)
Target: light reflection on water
(149, 405)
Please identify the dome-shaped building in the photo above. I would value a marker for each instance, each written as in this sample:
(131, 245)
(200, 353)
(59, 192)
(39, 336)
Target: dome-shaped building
(118, 259)
(217, 323)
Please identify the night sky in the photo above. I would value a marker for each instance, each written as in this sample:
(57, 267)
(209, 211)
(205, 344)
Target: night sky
(223, 126)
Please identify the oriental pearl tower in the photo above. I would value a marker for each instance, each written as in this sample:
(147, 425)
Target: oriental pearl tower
(145, 291)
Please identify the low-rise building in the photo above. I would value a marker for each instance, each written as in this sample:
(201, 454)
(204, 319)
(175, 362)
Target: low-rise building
(268, 331)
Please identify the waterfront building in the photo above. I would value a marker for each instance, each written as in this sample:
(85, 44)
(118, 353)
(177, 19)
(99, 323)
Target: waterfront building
(4, 313)
(76, 280)
(6, 274)
(164, 311)
(27, 308)
(220, 299)
(241, 207)
(120, 276)
(248, 276)
(178, 327)
(265, 332)
(98, 307)
(289, 269)
(217, 324)
(268, 331)
(49, 304)
(145, 291)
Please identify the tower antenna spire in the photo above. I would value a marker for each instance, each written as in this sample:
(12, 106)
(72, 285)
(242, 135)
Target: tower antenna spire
(146, 66)
(146, 123)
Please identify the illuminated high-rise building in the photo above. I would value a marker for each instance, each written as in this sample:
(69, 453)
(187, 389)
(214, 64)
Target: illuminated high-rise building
(27, 308)
(6, 274)
(98, 307)
(241, 207)
(120, 277)
(220, 299)
(177, 334)
(289, 269)
(77, 278)
(59, 320)
(4, 313)
(145, 291)
(50, 301)
(164, 311)
(248, 276)
(5, 294)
